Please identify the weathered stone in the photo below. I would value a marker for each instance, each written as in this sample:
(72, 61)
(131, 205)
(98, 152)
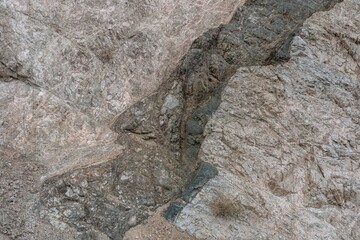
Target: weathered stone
(204, 174)
(170, 103)
(173, 210)
(99, 127)
(66, 71)
(285, 140)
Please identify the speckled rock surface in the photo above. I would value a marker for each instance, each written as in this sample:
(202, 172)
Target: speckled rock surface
(74, 66)
(103, 108)
(286, 140)
(101, 57)
(67, 69)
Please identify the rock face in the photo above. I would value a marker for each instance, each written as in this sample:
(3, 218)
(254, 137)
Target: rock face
(108, 113)
(285, 140)
(100, 47)
(80, 63)
(66, 71)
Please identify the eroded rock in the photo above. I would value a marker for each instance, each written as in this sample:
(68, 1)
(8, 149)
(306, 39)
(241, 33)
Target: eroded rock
(285, 140)
(66, 70)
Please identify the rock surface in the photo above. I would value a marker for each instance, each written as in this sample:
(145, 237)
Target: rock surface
(157, 227)
(285, 140)
(66, 71)
(85, 58)
(105, 107)
(89, 53)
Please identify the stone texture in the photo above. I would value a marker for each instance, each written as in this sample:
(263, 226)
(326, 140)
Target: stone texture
(37, 122)
(157, 227)
(101, 123)
(286, 141)
(66, 71)
(212, 59)
(88, 53)
(115, 195)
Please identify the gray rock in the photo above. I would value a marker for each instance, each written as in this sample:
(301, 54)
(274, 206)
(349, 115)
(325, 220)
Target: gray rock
(67, 70)
(170, 103)
(284, 139)
(173, 210)
(205, 172)
(101, 123)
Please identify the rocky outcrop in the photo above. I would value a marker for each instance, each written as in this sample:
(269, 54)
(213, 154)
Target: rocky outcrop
(102, 123)
(89, 54)
(285, 140)
(66, 71)
(85, 57)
